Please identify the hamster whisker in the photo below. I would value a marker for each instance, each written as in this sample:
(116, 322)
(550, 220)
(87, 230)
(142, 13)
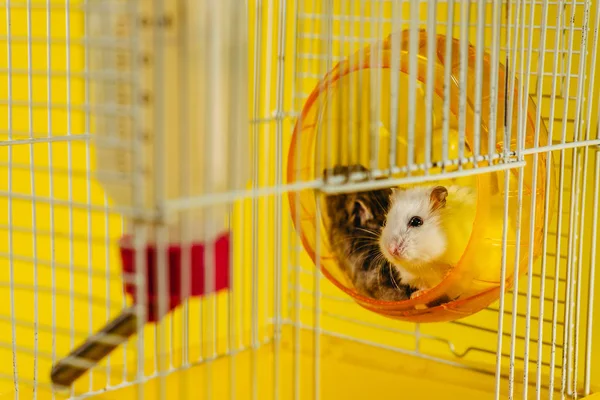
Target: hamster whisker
(352, 239)
(378, 261)
(378, 272)
(375, 255)
(379, 256)
(359, 240)
(393, 278)
(374, 233)
(360, 236)
(378, 269)
(364, 237)
(383, 208)
(365, 246)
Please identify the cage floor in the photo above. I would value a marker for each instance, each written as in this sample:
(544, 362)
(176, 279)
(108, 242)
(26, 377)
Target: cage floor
(347, 370)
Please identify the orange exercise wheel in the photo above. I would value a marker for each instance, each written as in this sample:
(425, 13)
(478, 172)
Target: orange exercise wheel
(340, 104)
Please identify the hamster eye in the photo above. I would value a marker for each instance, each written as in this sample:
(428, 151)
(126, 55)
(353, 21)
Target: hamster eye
(415, 222)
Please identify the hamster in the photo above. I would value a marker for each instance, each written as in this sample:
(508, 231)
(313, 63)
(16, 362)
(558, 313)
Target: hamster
(415, 237)
(354, 236)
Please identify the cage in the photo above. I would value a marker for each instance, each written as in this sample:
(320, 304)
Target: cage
(135, 131)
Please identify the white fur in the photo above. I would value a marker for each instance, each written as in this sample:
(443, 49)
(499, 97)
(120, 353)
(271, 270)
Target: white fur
(423, 245)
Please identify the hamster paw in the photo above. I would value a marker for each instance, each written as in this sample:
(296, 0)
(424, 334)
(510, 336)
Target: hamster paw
(434, 303)
(416, 294)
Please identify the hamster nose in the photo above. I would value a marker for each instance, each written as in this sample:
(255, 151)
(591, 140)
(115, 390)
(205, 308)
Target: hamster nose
(395, 248)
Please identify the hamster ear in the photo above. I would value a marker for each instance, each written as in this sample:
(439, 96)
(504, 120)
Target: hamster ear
(364, 214)
(393, 191)
(396, 190)
(437, 198)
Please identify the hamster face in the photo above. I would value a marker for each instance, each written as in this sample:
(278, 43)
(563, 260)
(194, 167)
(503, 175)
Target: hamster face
(412, 235)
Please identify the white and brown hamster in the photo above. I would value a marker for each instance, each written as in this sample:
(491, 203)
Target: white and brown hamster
(354, 236)
(416, 239)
